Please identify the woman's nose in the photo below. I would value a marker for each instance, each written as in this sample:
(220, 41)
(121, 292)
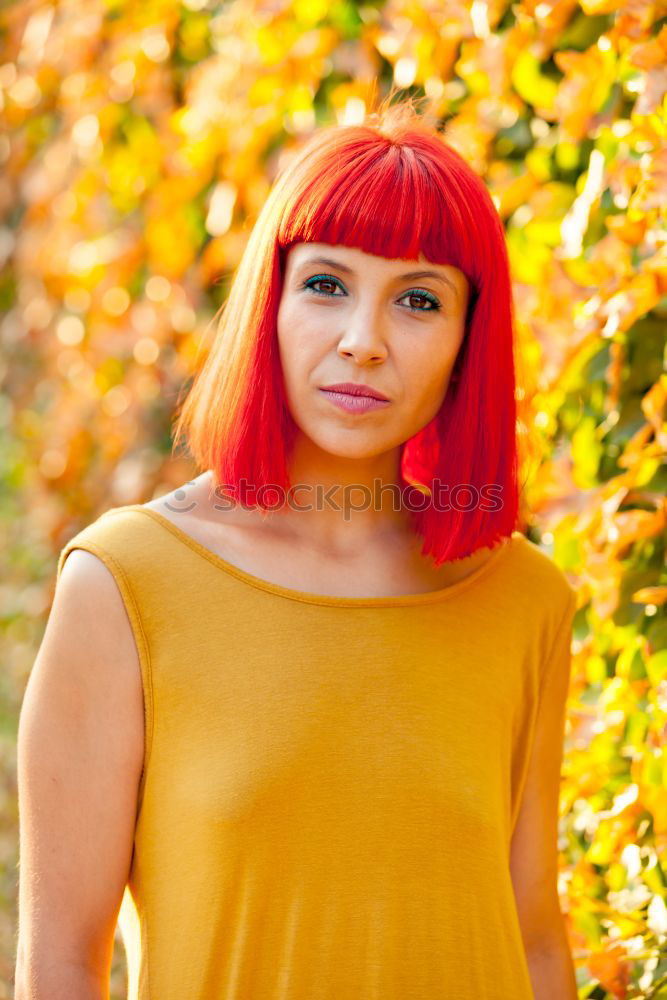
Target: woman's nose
(364, 337)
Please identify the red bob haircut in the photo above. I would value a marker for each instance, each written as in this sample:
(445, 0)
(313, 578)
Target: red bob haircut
(391, 187)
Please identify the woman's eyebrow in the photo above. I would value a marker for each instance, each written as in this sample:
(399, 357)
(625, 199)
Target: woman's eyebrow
(409, 276)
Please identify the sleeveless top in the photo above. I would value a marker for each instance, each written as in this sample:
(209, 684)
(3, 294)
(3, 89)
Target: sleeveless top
(330, 784)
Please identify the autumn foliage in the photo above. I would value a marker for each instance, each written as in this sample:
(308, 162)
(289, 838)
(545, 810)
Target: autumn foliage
(138, 143)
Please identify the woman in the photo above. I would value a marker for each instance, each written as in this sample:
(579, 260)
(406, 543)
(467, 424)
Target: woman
(301, 720)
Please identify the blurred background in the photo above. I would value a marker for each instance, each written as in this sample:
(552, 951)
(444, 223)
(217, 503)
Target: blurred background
(138, 143)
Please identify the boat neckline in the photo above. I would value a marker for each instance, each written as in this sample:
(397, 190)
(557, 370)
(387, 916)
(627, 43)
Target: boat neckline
(498, 552)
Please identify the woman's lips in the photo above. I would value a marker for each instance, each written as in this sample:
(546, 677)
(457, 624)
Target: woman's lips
(354, 404)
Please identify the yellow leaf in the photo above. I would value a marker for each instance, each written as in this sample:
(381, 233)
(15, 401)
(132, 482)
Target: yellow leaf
(529, 82)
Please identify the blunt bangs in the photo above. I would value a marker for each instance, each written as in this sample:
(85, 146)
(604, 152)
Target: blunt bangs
(388, 202)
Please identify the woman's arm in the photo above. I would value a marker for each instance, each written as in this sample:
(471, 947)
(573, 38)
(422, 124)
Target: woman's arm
(80, 754)
(534, 847)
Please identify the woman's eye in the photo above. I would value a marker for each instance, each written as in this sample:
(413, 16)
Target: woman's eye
(330, 285)
(322, 280)
(425, 297)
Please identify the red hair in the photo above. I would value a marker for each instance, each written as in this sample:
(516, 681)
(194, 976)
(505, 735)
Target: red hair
(392, 187)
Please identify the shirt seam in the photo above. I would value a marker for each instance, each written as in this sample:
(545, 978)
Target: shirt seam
(143, 651)
(570, 607)
(405, 600)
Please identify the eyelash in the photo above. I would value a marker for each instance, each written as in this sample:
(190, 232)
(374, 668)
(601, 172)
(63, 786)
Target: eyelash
(417, 293)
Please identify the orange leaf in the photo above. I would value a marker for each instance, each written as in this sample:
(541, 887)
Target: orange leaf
(650, 595)
(612, 971)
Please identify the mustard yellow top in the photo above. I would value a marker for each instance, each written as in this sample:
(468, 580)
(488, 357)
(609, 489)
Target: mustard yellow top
(330, 784)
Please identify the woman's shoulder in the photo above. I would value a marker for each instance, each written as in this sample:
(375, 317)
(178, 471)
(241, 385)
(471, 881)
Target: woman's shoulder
(126, 524)
(536, 576)
(118, 535)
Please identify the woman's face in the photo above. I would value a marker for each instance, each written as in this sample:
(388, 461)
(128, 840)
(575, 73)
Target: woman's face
(349, 316)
